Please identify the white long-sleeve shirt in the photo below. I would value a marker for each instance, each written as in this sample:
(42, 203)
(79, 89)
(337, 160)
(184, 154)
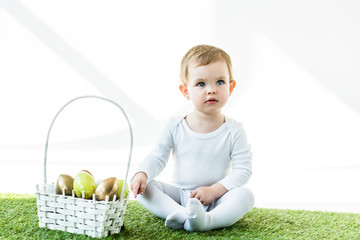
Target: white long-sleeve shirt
(201, 159)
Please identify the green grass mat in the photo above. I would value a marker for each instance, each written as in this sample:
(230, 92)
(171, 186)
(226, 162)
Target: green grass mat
(18, 220)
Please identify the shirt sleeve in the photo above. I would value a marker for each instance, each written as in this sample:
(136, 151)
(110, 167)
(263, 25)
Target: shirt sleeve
(241, 158)
(157, 159)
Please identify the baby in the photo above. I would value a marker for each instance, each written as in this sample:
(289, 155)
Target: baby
(211, 153)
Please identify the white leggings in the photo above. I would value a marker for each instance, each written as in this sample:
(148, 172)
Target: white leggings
(163, 199)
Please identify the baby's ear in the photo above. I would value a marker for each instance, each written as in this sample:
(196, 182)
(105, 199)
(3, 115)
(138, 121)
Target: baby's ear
(232, 86)
(184, 90)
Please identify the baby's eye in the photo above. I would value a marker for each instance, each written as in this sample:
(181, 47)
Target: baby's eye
(220, 82)
(200, 84)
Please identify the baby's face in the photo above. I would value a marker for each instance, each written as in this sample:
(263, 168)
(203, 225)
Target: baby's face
(209, 86)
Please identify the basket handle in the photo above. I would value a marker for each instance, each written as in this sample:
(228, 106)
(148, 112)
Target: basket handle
(101, 98)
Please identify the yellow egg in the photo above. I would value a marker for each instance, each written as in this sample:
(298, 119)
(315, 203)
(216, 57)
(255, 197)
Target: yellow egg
(84, 181)
(65, 182)
(126, 190)
(108, 187)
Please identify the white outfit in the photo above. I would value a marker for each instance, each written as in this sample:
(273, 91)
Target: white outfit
(222, 156)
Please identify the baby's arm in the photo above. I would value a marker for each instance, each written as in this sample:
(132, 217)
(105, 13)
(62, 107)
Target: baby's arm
(138, 183)
(157, 159)
(241, 158)
(207, 195)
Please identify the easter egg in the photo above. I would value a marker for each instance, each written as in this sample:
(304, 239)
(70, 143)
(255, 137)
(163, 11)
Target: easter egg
(88, 173)
(108, 187)
(84, 181)
(65, 182)
(126, 190)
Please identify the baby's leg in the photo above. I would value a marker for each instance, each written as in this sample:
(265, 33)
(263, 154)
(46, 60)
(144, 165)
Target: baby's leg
(232, 206)
(163, 200)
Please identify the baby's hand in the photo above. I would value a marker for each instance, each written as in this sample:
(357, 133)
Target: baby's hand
(207, 195)
(138, 183)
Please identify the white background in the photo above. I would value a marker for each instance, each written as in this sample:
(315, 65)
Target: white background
(296, 64)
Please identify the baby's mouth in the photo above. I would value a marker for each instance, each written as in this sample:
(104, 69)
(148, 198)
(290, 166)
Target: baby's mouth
(211, 101)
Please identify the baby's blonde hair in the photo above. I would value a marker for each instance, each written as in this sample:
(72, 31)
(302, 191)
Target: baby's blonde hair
(203, 55)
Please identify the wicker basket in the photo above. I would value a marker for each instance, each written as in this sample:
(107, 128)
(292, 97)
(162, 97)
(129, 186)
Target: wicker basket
(78, 215)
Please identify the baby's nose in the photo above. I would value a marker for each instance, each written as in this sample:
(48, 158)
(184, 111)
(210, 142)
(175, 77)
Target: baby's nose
(211, 91)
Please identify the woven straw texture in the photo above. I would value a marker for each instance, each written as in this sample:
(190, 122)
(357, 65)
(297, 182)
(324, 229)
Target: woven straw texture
(83, 216)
